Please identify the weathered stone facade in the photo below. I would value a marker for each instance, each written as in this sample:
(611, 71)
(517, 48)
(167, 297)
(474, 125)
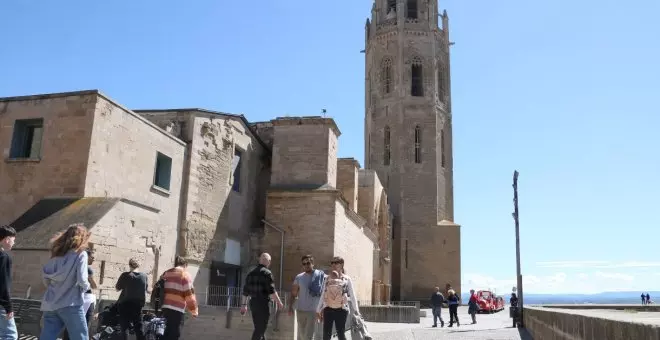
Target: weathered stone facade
(218, 215)
(315, 205)
(101, 157)
(217, 203)
(408, 141)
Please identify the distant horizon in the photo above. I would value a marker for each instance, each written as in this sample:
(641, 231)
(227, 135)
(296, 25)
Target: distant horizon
(579, 294)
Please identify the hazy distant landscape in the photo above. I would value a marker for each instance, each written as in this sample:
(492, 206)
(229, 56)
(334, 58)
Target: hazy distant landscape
(600, 298)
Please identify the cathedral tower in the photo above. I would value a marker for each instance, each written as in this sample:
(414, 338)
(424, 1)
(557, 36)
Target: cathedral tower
(408, 141)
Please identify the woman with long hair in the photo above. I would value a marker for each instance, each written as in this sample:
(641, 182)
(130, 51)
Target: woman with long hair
(66, 279)
(331, 313)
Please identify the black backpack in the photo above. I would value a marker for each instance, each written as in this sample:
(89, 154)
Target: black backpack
(158, 294)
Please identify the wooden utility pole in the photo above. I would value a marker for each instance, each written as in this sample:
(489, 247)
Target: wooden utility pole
(517, 222)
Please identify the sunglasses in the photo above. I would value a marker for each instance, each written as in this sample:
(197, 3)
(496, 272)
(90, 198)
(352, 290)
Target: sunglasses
(306, 263)
(336, 262)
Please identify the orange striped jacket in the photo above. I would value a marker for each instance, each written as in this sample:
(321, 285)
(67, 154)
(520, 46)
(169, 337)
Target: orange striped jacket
(179, 291)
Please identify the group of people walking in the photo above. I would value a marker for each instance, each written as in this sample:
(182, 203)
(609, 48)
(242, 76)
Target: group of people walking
(646, 299)
(68, 303)
(452, 301)
(317, 298)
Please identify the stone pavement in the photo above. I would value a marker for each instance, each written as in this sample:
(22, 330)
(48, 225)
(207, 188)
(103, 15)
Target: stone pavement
(489, 327)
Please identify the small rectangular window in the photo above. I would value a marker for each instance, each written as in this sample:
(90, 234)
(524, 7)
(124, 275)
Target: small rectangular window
(163, 173)
(236, 166)
(26, 141)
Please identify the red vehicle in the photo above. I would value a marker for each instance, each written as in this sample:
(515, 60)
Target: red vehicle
(486, 301)
(499, 303)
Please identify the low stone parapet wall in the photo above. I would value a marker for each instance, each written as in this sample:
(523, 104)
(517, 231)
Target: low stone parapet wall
(565, 324)
(391, 314)
(217, 323)
(638, 308)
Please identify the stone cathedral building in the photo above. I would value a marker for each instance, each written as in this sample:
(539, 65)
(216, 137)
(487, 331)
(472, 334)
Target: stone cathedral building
(218, 189)
(408, 140)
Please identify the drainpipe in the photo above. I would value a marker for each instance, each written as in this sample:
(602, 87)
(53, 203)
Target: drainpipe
(281, 248)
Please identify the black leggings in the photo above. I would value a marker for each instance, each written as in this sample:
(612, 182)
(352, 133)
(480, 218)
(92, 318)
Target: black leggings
(453, 314)
(336, 316)
(130, 312)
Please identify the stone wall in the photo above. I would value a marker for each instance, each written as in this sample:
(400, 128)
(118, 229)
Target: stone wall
(122, 163)
(347, 181)
(219, 324)
(27, 266)
(130, 231)
(356, 245)
(65, 144)
(556, 324)
(216, 217)
(304, 152)
(308, 220)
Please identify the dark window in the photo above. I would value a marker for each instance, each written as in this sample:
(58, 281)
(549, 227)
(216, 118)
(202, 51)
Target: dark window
(417, 87)
(163, 173)
(26, 141)
(391, 5)
(442, 148)
(386, 138)
(418, 144)
(442, 91)
(236, 168)
(412, 9)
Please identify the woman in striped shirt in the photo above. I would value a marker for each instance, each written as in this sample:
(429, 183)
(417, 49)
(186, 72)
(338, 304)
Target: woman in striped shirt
(179, 297)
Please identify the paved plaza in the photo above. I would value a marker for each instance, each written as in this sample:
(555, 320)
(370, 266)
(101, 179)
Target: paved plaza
(489, 327)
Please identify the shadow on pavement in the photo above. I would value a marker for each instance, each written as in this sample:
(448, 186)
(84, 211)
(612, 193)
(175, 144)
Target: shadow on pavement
(524, 334)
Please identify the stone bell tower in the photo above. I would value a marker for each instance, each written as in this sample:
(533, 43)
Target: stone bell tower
(408, 141)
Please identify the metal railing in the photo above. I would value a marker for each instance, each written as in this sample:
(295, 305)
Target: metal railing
(230, 297)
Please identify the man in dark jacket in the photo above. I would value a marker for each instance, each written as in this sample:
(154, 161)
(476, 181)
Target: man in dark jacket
(437, 299)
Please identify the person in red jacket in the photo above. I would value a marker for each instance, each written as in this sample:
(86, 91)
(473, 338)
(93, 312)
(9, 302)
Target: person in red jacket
(473, 307)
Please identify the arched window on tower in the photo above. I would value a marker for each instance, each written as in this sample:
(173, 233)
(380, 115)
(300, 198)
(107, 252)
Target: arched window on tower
(442, 89)
(391, 6)
(386, 150)
(386, 75)
(417, 78)
(418, 144)
(411, 6)
(442, 148)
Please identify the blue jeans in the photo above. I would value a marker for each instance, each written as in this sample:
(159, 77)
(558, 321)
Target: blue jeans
(73, 318)
(437, 315)
(7, 327)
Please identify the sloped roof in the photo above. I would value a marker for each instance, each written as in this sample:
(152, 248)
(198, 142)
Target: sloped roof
(49, 216)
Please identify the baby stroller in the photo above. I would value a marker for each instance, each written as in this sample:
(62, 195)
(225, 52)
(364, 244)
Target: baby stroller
(108, 324)
(153, 326)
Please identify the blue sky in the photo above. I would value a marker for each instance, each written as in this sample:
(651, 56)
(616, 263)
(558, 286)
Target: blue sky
(563, 91)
